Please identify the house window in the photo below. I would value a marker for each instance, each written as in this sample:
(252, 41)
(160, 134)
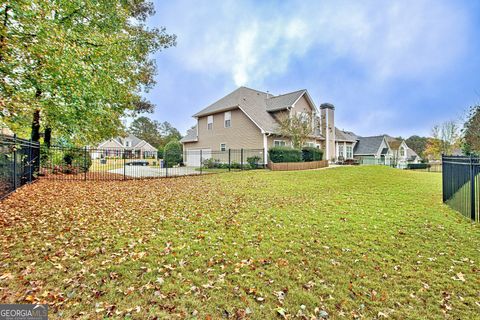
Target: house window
(310, 144)
(349, 152)
(127, 143)
(279, 143)
(402, 152)
(223, 147)
(209, 122)
(340, 150)
(228, 119)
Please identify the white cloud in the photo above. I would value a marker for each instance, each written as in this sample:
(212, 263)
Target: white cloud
(250, 43)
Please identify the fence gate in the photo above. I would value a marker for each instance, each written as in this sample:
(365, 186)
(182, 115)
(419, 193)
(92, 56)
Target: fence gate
(461, 184)
(19, 162)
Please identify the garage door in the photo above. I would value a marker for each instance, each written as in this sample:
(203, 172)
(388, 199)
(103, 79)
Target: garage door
(193, 156)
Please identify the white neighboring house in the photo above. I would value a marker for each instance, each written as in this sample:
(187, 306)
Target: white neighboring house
(385, 150)
(131, 145)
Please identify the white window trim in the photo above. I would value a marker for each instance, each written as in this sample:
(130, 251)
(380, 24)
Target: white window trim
(284, 143)
(223, 144)
(227, 116)
(209, 122)
(349, 152)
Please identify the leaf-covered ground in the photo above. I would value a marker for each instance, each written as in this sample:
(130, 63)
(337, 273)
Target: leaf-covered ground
(358, 242)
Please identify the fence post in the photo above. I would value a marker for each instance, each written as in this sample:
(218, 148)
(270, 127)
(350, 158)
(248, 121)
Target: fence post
(165, 163)
(229, 159)
(124, 156)
(201, 161)
(241, 158)
(30, 163)
(85, 164)
(472, 189)
(443, 179)
(14, 162)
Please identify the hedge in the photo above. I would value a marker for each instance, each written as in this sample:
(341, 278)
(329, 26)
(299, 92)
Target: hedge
(414, 166)
(173, 153)
(284, 154)
(311, 154)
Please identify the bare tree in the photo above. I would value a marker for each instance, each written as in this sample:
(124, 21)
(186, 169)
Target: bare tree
(296, 127)
(445, 138)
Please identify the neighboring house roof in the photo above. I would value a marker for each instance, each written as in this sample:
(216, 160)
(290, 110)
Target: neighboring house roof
(341, 135)
(368, 145)
(137, 143)
(393, 143)
(257, 105)
(412, 154)
(191, 135)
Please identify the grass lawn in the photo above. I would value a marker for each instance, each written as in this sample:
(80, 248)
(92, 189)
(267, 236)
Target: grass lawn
(366, 242)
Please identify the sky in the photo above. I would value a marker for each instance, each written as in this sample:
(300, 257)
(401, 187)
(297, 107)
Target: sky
(394, 67)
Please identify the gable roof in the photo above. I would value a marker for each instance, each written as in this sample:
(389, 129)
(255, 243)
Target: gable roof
(393, 143)
(281, 102)
(136, 142)
(368, 145)
(411, 154)
(341, 135)
(191, 135)
(257, 105)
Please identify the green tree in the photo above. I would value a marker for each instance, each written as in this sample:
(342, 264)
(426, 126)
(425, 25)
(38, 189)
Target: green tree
(158, 134)
(168, 132)
(296, 127)
(471, 132)
(148, 130)
(417, 144)
(76, 68)
(173, 154)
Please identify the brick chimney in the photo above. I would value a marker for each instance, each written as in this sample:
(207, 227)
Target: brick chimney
(327, 114)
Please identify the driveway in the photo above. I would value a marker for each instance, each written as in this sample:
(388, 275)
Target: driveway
(148, 172)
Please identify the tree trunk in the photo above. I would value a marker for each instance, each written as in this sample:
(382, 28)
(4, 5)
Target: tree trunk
(36, 118)
(47, 139)
(36, 126)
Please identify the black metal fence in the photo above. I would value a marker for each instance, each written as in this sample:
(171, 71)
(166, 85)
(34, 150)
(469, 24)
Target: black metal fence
(19, 160)
(461, 184)
(66, 163)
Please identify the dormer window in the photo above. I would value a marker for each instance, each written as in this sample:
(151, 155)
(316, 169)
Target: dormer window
(209, 122)
(228, 119)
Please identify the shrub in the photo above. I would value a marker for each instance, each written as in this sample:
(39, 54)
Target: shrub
(253, 161)
(160, 153)
(235, 165)
(173, 153)
(76, 161)
(311, 154)
(414, 166)
(285, 154)
(211, 163)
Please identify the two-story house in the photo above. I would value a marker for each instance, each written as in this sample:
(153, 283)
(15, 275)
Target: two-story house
(249, 119)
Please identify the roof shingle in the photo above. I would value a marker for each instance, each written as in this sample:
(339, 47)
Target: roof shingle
(257, 105)
(368, 145)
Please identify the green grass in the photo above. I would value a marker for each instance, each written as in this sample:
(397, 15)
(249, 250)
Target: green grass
(367, 242)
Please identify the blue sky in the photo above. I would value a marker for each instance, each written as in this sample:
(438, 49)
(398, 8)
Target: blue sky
(395, 67)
